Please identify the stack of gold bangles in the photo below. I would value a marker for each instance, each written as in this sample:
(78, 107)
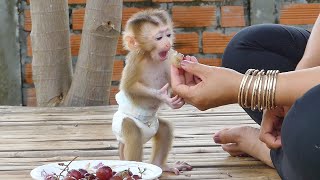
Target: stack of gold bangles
(263, 89)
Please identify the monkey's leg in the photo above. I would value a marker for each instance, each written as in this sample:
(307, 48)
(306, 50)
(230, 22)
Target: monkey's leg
(162, 143)
(121, 151)
(133, 145)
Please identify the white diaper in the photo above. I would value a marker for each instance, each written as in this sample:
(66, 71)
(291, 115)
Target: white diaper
(145, 119)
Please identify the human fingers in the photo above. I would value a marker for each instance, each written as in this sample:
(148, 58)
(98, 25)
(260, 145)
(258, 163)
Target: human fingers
(195, 79)
(189, 78)
(267, 131)
(193, 59)
(196, 69)
(177, 76)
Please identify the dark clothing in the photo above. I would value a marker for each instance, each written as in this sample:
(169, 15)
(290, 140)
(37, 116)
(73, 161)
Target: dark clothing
(280, 47)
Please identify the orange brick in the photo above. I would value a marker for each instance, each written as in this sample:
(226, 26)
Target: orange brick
(113, 91)
(116, 76)
(232, 16)
(29, 47)
(77, 1)
(31, 99)
(75, 40)
(187, 43)
(134, 0)
(120, 50)
(27, 20)
(128, 12)
(84, 1)
(117, 70)
(163, 1)
(215, 42)
(299, 14)
(78, 16)
(210, 62)
(194, 16)
(28, 73)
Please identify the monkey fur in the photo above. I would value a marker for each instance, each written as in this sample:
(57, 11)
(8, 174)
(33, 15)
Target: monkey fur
(148, 36)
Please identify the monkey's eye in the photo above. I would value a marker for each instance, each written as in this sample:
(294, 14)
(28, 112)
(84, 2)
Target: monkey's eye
(168, 35)
(159, 38)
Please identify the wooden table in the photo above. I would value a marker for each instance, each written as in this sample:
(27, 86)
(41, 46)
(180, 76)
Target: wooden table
(35, 136)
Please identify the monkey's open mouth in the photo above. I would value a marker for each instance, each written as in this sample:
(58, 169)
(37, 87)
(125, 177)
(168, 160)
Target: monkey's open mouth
(163, 54)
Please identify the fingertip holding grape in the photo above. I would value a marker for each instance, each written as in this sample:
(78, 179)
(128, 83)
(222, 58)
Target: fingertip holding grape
(176, 59)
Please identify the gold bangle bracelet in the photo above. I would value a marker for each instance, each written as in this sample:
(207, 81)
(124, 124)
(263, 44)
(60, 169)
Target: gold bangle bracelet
(248, 88)
(262, 85)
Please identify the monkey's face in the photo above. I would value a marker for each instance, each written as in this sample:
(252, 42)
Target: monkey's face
(163, 39)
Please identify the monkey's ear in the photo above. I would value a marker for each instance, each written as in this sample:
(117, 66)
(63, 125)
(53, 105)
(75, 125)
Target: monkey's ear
(130, 43)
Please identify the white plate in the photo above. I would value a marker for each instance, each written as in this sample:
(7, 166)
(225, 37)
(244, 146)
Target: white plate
(151, 171)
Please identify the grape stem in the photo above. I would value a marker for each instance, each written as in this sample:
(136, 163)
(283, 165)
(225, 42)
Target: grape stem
(141, 172)
(67, 166)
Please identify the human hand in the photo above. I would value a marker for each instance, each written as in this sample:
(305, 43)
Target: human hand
(270, 131)
(175, 102)
(190, 78)
(205, 86)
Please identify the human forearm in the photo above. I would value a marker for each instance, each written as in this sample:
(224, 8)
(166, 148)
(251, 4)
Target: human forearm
(292, 85)
(312, 51)
(289, 87)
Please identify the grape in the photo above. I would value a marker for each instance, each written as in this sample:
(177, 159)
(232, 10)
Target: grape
(83, 172)
(50, 177)
(136, 177)
(69, 178)
(116, 178)
(75, 173)
(89, 176)
(104, 173)
(129, 172)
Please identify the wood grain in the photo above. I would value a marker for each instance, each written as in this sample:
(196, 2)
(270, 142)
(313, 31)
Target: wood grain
(36, 136)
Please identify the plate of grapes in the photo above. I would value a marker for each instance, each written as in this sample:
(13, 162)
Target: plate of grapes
(96, 170)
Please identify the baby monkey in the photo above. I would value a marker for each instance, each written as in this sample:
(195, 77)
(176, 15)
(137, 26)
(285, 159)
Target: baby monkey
(144, 86)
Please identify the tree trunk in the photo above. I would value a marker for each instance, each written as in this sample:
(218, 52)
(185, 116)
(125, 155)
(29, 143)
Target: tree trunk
(51, 63)
(92, 79)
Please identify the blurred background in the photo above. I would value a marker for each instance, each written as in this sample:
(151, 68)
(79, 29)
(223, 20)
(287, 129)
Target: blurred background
(203, 29)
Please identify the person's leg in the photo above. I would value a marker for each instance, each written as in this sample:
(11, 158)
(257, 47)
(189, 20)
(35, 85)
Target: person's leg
(268, 46)
(243, 141)
(299, 157)
(260, 47)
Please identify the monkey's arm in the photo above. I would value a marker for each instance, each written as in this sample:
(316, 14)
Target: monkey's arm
(139, 89)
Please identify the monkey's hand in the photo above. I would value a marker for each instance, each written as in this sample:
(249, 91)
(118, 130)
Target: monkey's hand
(175, 102)
(177, 167)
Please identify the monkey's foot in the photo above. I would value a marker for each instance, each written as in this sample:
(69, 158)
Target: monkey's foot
(177, 167)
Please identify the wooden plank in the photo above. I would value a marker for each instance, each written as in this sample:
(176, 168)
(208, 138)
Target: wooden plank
(35, 136)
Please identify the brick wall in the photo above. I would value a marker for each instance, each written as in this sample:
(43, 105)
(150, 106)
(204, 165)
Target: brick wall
(203, 28)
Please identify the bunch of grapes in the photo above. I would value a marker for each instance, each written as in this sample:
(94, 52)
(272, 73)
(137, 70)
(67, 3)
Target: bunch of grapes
(102, 173)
